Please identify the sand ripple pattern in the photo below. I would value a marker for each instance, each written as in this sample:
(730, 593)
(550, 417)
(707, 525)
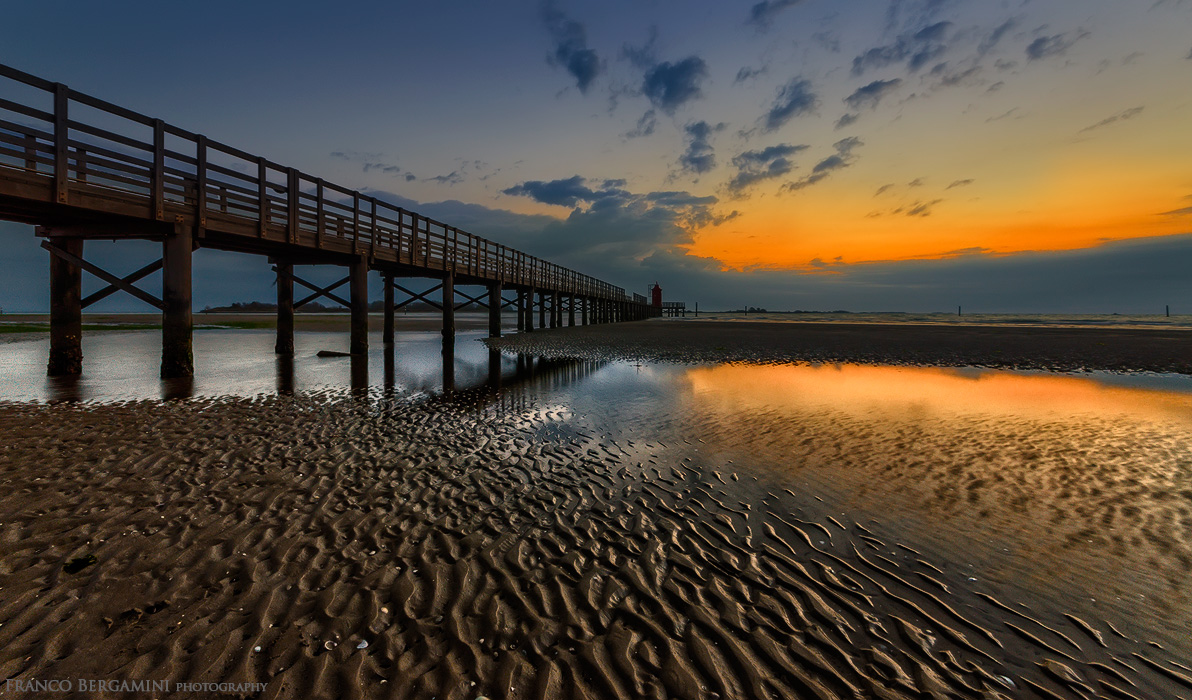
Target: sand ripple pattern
(372, 548)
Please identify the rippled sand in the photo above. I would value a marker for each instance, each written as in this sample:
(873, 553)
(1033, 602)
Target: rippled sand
(527, 545)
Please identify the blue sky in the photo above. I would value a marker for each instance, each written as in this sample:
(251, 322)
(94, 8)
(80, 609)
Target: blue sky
(894, 154)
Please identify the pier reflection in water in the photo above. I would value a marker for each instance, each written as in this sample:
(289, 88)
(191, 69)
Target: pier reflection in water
(120, 366)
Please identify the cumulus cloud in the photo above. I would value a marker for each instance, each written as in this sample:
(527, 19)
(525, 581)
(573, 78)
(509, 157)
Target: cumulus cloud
(699, 156)
(794, 99)
(870, 95)
(916, 49)
(671, 85)
(765, 164)
(1119, 117)
(843, 158)
(571, 49)
(763, 13)
(1052, 46)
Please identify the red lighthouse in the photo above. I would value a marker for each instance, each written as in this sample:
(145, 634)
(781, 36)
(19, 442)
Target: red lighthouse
(656, 296)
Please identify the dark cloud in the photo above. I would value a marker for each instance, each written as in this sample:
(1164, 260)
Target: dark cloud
(846, 120)
(766, 164)
(699, 156)
(570, 192)
(1052, 46)
(671, 85)
(1186, 211)
(793, 100)
(841, 159)
(870, 95)
(645, 126)
(916, 49)
(1119, 117)
(748, 73)
(959, 183)
(570, 46)
(763, 13)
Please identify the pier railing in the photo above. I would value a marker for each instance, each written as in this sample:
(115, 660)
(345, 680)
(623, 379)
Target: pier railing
(61, 146)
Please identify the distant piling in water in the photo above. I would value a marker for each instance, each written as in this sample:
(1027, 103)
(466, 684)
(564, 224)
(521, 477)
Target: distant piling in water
(1167, 310)
(958, 311)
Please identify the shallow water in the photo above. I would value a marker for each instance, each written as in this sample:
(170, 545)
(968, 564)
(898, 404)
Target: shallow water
(1019, 509)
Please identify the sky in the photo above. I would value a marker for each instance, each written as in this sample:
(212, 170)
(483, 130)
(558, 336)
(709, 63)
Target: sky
(876, 155)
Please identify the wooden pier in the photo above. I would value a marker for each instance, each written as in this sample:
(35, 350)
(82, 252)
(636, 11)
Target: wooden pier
(80, 168)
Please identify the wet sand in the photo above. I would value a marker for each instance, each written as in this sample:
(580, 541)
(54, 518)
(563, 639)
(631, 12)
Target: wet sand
(1053, 349)
(337, 545)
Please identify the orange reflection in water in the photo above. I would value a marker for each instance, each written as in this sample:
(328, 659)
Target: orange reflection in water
(857, 389)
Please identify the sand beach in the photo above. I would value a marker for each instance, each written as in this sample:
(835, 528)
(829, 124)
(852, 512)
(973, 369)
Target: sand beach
(644, 522)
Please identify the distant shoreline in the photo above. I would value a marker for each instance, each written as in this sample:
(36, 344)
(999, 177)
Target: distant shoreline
(1001, 347)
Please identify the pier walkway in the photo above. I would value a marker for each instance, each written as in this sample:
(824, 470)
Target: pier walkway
(80, 168)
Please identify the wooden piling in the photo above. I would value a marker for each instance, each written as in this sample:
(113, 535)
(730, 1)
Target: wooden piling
(285, 308)
(571, 310)
(542, 309)
(449, 331)
(66, 311)
(177, 356)
(529, 308)
(387, 334)
(358, 284)
(495, 290)
(556, 312)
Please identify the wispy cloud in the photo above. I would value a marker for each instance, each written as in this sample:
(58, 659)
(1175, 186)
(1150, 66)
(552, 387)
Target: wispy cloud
(762, 14)
(959, 183)
(870, 95)
(922, 209)
(916, 49)
(765, 164)
(1053, 46)
(1119, 117)
(571, 49)
(699, 156)
(794, 99)
(748, 73)
(645, 126)
(369, 162)
(843, 158)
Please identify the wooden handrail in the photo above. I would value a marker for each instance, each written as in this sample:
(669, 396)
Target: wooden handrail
(365, 223)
